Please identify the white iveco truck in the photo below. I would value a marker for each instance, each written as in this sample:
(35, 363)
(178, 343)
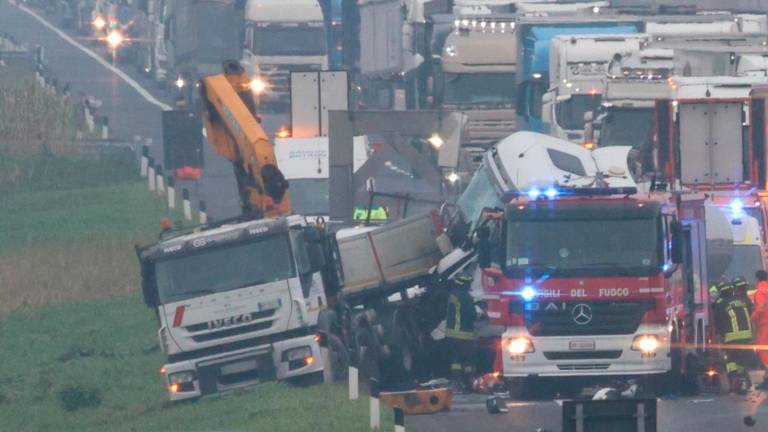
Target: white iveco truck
(236, 304)
(246, 302)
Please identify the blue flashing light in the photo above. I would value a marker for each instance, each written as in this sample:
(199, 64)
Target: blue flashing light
(534, 193)
(665, 267)
(551, 193)
(737, 207)
(528, 293)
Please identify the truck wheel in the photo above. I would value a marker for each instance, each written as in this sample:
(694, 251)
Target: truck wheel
(516, 387)
(339, 358)
(367, 352)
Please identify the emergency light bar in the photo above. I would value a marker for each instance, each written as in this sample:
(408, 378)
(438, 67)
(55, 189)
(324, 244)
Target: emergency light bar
(552, 192)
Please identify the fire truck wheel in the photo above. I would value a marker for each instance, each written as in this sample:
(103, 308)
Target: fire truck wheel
(516, 387)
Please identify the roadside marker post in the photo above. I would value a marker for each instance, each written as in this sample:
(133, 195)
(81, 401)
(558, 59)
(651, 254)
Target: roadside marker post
(399, 419)
(375, 406)
(203, 215)
(171, 192)
(151, 177)
(354, 384)
(186, 205)
(160, 180)
(144, 160)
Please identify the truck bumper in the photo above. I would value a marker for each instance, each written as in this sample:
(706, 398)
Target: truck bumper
(563, 356)
(237, 369)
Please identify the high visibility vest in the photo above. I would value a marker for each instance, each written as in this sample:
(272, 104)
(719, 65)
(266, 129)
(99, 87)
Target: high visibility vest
(377, 214)
(460, 316)
(739, 322)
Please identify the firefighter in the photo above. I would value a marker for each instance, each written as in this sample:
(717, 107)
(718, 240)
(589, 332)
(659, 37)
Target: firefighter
(741, 289)
(732, 319)
(459, 330)
(760, 316)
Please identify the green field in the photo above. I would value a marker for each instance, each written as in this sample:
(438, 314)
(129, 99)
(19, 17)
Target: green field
(100, 360)
(78, 347)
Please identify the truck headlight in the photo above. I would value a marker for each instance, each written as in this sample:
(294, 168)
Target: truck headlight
(181, 377)
(294, 354)
(519, 346)
(646, 344)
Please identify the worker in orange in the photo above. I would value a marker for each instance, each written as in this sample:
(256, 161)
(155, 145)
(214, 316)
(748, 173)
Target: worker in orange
(760, 316)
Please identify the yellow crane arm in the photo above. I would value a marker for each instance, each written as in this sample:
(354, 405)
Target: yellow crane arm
(235, 133)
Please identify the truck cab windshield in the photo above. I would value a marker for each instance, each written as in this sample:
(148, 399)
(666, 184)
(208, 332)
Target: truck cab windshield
(227, 268)
(278, 40)
(496, 89)
(570, 112)
(310, 196)
(583, 247)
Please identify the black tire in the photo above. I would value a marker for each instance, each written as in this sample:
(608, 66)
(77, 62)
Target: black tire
(367, 352)
(339, 358)
(517, 388)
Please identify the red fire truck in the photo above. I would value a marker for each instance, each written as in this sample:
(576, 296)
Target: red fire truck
(596, 282)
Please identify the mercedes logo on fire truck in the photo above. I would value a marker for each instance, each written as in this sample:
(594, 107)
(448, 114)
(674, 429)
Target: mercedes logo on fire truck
(582, 314)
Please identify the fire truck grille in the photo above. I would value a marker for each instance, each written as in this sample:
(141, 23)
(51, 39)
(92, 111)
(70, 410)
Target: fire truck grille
(582, 318)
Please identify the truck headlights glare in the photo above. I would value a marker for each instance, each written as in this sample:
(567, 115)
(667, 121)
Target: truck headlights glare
(181, 378)
(519, 345)
(646, 344)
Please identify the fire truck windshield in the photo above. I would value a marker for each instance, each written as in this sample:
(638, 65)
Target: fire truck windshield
(584, 247)
(213, 270)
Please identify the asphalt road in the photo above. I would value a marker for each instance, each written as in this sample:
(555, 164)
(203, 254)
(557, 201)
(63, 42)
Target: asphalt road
(706, 413)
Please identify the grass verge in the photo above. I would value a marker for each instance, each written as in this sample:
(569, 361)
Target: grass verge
(93, 366)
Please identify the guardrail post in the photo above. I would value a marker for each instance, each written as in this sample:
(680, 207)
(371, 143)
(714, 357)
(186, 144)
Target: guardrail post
(160, 180)
(151, 177)
(171, 192)
(375, 406)
(186, 205)
(203, 215)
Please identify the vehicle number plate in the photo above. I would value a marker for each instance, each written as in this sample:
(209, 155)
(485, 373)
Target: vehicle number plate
(238, 367)
(582, 345)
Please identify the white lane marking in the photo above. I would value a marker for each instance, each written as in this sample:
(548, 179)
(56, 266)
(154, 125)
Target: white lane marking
(128, 80)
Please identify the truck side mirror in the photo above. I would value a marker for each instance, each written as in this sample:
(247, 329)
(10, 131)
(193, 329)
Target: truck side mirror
(483, 247)
(676, 252)
(548, 102)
